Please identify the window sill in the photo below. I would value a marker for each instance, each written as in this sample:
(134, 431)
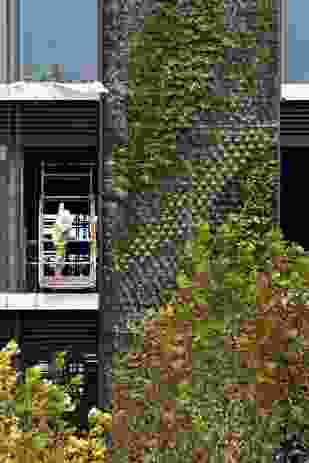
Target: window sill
(41, 301)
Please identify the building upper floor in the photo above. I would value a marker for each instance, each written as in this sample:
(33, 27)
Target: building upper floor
(49, 157)
(49, 238)
(62, 41)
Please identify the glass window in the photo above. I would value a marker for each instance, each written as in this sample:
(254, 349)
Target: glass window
(297, 40)
(60, 36)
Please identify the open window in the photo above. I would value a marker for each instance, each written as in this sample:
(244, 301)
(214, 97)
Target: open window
(73, 184)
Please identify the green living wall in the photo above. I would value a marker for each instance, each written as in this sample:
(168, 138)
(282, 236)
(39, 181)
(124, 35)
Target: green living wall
(208, 75)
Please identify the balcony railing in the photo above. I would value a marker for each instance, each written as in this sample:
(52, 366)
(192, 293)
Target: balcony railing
(78, 273)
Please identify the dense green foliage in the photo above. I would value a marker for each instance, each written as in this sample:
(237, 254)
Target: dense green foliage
(170, 78)
(229, 296)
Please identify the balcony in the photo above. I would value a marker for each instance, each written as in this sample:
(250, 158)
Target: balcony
(76, 290)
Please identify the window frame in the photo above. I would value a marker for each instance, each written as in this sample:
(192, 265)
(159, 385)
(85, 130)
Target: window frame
(283, 41)
(284, 47)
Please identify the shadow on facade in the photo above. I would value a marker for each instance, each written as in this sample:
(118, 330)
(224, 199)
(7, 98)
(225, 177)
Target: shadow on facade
(293, 196)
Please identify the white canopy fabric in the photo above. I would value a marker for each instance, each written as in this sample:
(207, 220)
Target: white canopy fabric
(51, 91)
(295, 91)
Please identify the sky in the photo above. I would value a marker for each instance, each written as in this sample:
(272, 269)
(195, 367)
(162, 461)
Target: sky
(297, 40)
(60, 32)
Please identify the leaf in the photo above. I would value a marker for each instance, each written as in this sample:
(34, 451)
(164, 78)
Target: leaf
(198, 254)
(33, 375)
(216, 327)
(202, 266)
(263, 295)
(40, 440)
(246, 344)
(60, 359)
(167, 335)
(200, 423)
(184, 388)
(167, 311)
(183, 281)
(184, 392)
(263, 328)
(204, 233)
(75, 380)
(200, 328)
(306, 279)
(11, 346)
(199, 344)
(264, 375)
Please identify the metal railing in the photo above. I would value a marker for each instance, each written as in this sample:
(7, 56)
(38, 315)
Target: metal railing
(76, 272)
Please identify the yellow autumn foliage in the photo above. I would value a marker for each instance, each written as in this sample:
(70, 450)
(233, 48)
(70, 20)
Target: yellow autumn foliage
(17, 446)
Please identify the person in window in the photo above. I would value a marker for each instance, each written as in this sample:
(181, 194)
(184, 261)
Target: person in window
(61, 232)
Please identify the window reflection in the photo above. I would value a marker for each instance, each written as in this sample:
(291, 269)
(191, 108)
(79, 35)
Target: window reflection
(58, 36)
(297, 40)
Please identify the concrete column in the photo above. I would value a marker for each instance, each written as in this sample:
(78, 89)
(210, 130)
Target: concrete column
(100, 41)
(12, 41)
(3, 223)
(3, 41)
(12, 233)
(16, 232)
(8, 41)
(12, 240)
(283, 40)
(56, 72)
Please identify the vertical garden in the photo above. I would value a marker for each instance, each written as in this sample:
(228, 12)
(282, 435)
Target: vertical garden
(218, 370)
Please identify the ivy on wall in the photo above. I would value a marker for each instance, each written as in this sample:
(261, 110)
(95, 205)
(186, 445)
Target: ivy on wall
(170, 81)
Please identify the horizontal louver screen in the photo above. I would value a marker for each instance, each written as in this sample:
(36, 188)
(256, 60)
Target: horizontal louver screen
(8, 327)
(55, 330)
(294, 118)
(5, 109)
(51, 118)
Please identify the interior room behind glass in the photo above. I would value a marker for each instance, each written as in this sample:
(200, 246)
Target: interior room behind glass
(52, 177)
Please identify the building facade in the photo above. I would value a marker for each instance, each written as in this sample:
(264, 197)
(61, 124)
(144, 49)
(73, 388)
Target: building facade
(8, 41)
(49, 154)
(44, 144)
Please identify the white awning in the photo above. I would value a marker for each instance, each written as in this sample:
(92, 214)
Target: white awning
(295, 91)
(51, 91)
(48, 301)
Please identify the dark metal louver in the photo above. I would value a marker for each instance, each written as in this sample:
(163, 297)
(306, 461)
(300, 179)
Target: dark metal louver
(294, 123)
(47, 331)
(51, 122)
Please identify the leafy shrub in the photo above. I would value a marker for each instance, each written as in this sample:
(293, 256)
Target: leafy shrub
(232, 299)
(32, 424)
